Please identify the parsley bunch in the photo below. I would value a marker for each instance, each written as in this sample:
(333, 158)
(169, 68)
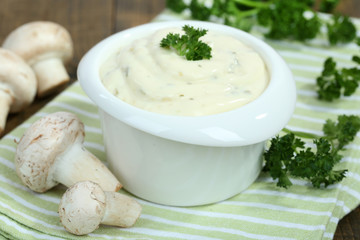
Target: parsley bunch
(287, 155)
(287, 20)
(334, 83)
(283, 19)
(188, 45)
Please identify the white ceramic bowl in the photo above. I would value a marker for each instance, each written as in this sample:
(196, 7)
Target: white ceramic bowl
(182, 160)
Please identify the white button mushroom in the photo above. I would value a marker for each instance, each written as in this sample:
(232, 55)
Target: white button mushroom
(17, 85)
(85, 206)
(45, 46)
(51, 151)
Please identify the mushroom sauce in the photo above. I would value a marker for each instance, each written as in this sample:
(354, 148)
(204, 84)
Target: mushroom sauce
(159, 80)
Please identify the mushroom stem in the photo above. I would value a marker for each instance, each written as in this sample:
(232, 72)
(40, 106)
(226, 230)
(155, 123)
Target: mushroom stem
(51, 74)
(5, 102)
(121, 210)
(78, 164)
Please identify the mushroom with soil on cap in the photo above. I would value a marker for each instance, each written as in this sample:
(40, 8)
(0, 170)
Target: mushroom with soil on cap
(46, 47)
(85, 206)
(51, 151)
(17, 85)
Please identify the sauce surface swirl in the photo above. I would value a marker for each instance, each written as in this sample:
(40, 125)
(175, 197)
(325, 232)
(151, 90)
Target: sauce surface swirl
(158, 80)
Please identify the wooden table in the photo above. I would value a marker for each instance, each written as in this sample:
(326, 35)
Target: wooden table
(90, 21)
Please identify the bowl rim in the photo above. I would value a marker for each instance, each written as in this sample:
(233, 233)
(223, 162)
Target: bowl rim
(254, 122)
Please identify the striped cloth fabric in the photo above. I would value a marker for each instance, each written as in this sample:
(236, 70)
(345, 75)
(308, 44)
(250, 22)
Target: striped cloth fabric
(263, 211)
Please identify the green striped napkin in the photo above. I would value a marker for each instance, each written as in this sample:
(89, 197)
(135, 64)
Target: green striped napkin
(263, 211)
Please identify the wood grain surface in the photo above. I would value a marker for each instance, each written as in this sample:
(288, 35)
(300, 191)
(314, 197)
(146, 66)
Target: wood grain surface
(90, 21)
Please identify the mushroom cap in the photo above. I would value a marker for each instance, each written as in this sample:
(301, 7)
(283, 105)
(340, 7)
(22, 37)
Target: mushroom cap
(82, 207)
(18, 78)
(35, 41)
(40, 145)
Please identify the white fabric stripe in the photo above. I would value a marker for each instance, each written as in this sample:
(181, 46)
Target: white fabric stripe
(7, 163)
(27, 204)
(306, 93)
(351, 160)
(10, 148)
(40, 114)
(327, 109)
(304, 79)
(74, 109)
(309, 93)
(303, 68)
(97, 236)
(78, 96)
(338, 57)
(352, 145)
(309, 119)
(350, 191)
(353, 175)
(25, 126)
(160, 233)
(346, 189)
(23, 230)
(23, 188)
(35, 220)
(328, 235)
(299, 129)
(334, 186)
(313, 50)
(212, 228)
(277, 208)
(343, 206)
(334, 220)
(241, 218)
(93, 130)
(300, 55)
(11, 137)
(290, 195)
(94, 146)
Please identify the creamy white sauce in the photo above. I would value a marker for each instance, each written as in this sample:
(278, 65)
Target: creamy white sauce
(155, 79)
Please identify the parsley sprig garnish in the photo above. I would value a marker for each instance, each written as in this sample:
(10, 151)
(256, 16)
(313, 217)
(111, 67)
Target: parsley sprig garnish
(188, 45)
(288, 155)
(336, 82)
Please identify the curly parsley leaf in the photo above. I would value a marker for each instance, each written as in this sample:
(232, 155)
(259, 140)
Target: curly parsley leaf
(342, 132)
(341, 30)
(329, 83)
(334, 83)
(188, 45)
(288, 155)
(287, 20)
(279, 156)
